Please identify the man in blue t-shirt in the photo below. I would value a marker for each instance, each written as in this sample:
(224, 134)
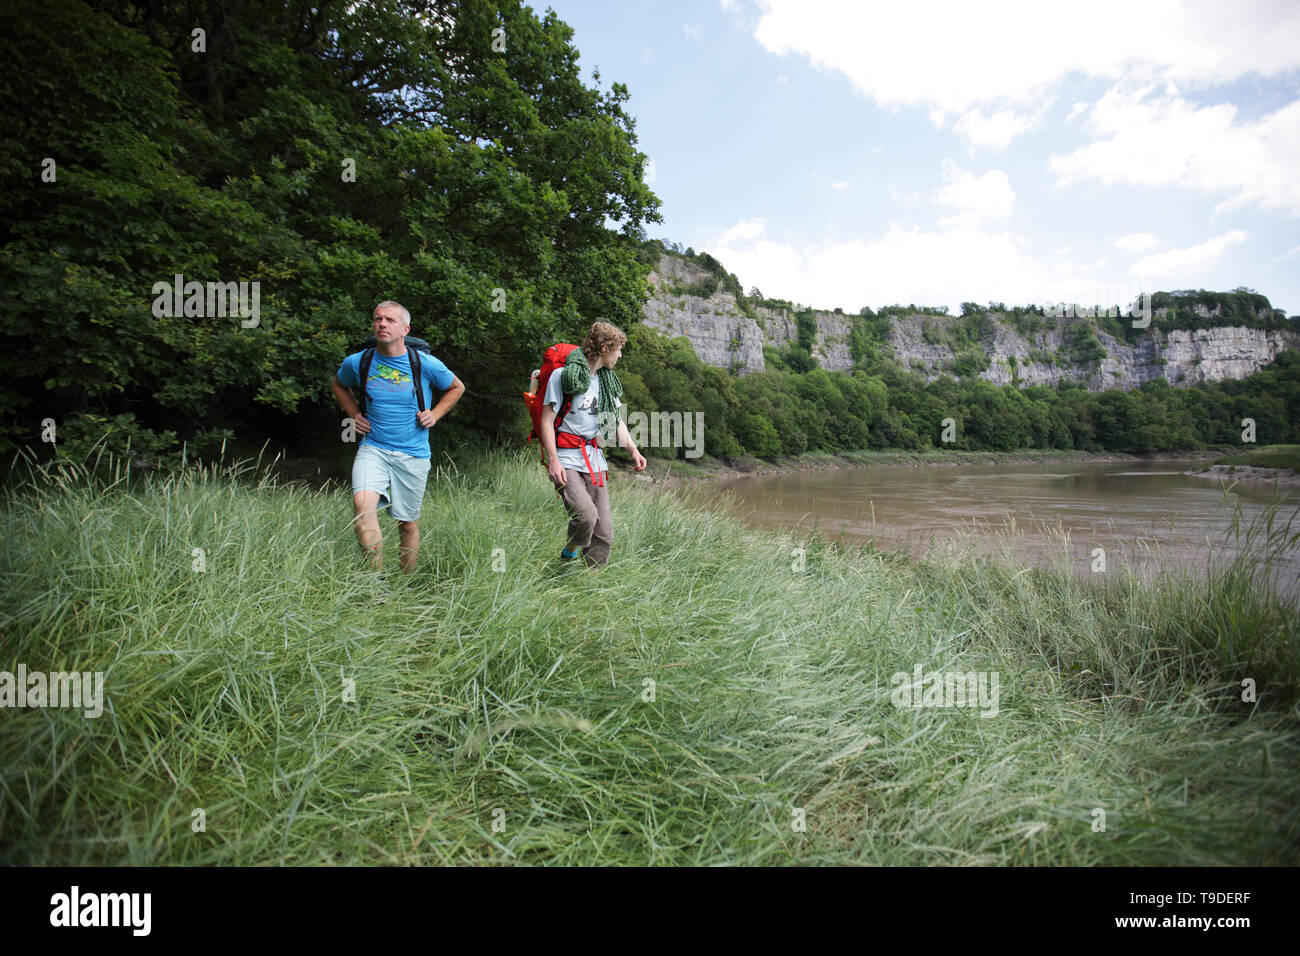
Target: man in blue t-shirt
(392, 460)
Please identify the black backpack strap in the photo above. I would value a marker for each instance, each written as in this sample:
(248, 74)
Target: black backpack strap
(413, 356)
(564, 410)
(366, 356)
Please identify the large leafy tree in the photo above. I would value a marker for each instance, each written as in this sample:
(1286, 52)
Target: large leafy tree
(447, 155)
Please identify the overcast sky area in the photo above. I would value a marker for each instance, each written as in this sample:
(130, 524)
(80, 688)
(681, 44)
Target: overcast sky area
(862, 153)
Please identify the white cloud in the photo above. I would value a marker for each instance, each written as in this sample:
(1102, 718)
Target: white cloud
(976, 197)
(1190, 262)
(898, 195)
(1165, 140)
(963, 58)
(782, 79)
(1137, 242)
(1092, 266)
(743, 231)
(692, 31)
(840, 185)
(995, 132)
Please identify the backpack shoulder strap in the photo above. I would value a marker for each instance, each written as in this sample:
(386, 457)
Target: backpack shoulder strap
(561, 412)
(413, 356)
(366, 357)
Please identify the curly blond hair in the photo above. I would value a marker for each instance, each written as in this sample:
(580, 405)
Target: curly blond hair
(602, 338)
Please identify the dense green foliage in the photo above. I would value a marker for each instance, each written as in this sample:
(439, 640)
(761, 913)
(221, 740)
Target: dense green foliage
(484, 183)
(1197, 309)
(902, 310)
(972, 330)
(971, 363)
(868, 335)
(477, 698)
(1083, 346)
(784, 412)
(650, 251)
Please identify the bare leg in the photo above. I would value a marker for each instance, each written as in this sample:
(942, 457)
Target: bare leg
(408, 547)
(366, 524)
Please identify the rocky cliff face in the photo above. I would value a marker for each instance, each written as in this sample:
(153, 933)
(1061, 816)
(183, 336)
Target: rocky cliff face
(686, 300)
(718, 331)
(1183, 357)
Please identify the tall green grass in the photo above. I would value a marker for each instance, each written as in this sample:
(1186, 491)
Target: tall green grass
(525, 691)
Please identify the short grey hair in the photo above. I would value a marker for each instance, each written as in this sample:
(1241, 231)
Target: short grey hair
(406, 316)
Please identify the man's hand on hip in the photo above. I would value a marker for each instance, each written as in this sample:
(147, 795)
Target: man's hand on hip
(425, 419)
(361, 424)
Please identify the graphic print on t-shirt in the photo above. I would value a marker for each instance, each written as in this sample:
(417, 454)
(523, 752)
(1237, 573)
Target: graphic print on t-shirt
(392, 376)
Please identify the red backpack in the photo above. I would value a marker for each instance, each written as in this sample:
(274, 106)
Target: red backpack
(554, 359)
(552, 362)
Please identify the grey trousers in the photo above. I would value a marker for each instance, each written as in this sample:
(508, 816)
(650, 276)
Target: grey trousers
(589, 524)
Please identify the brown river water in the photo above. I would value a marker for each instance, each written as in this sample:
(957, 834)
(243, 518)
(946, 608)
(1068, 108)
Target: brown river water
(1147, 515)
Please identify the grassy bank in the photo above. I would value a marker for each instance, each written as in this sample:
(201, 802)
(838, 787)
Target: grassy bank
(1266, 456)
(525, 691)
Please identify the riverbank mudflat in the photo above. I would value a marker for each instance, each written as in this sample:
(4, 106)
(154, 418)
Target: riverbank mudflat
(675, 473)
(1247, 473)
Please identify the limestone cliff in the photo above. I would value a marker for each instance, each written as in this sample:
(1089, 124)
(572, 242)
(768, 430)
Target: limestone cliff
(688, 300)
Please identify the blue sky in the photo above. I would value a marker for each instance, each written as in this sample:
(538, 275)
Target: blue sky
(860, 153)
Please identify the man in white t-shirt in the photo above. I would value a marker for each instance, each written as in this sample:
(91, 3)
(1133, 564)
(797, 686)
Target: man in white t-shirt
(574, 461)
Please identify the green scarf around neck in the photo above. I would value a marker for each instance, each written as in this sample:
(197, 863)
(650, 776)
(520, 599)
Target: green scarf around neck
(576, 379)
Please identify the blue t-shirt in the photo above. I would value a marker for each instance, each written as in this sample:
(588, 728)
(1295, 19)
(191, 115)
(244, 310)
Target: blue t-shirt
(390, 399)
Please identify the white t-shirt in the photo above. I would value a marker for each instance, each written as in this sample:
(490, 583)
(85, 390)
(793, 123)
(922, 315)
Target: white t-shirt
(582, 420)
